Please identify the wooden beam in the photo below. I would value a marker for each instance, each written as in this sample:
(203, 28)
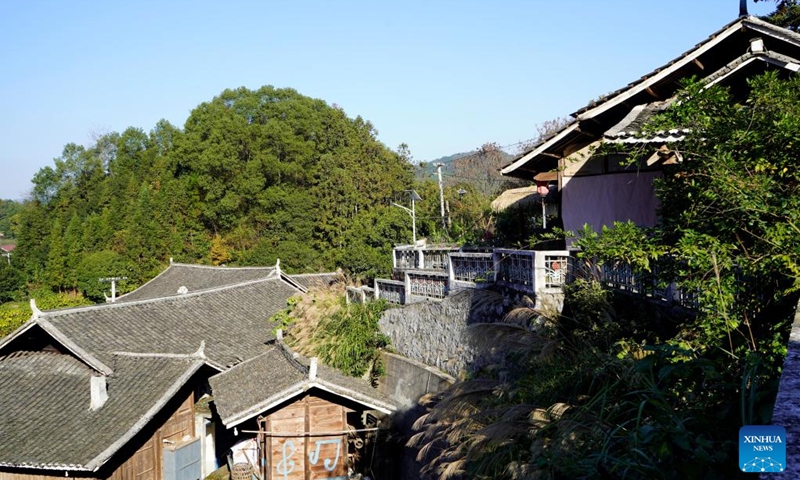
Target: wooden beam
(699, 64)
(651, 92)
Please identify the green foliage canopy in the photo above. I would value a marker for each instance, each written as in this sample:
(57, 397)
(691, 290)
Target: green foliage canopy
(254, 175)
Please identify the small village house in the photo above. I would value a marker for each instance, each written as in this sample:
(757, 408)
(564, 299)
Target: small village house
(600, 189)
(163, 382)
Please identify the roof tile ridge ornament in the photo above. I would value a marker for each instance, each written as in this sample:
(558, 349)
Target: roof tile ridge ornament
(36, 312)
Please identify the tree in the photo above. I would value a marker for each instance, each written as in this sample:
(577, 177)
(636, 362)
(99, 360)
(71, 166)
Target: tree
(786, 14)
(8, 208)
(11, 282)
(99, 265)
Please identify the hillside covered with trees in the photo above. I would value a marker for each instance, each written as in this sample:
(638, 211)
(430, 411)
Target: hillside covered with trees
(252, 177)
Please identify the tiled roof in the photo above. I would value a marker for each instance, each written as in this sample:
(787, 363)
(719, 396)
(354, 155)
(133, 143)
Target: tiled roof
(277, 375)
(232, 321)
(317, 280)
(195, 278)
(255, 384)
(753, 23)
(47, 423)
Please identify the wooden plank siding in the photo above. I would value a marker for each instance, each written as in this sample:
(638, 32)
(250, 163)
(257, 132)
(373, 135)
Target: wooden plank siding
(146, 461)
(292, 455)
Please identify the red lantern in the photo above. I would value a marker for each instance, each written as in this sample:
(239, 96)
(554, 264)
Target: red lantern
(542, 188)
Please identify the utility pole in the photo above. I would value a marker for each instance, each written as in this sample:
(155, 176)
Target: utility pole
(441, 192)
(113, 281)
(413, 212)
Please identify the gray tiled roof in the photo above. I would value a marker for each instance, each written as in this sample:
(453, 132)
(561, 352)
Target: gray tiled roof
(317, 280)
(233, 322)
(195, 278)
(258, 381)
(277, 375)
(46, 420)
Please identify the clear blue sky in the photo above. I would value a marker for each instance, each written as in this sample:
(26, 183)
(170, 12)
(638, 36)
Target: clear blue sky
(442, 76)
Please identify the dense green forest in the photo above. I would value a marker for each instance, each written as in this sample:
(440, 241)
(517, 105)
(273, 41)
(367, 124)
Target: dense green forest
(252, 177)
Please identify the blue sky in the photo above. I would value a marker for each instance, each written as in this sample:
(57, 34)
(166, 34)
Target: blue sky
(442, 76)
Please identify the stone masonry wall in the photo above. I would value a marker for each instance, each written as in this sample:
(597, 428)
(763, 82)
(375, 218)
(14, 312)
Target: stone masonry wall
(435, 333)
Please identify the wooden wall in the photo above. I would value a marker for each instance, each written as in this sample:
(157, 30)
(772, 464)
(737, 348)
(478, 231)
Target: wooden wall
(292, 455)
(146, 462)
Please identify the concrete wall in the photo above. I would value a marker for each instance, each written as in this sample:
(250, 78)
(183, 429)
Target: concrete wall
(406, 380)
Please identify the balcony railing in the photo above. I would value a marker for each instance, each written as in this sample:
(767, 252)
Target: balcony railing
(428, 285)
(390, 290)
(472, 267)
(516, 268)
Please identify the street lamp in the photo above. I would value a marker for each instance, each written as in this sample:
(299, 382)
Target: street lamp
(413, 212)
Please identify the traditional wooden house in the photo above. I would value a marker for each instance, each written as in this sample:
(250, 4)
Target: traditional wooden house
(309, 420)
(122, 390)
(598, 189)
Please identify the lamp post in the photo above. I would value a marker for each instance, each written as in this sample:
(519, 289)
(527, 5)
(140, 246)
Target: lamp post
(413, 212)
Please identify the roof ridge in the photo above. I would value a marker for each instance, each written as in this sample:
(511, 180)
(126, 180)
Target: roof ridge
(290, 356)
(749, 21)
(310, 274)
(291, 282)
(218, 267)
(198, 355)
(147, 282)
(70, 345)
(99, 306)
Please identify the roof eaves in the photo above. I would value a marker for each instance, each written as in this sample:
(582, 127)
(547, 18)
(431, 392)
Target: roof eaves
(47, 466)
(103, 457)
(540, 148)
(766, 28)
(353, 395)
(648, 80)
(268, 403)
(619, 134)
